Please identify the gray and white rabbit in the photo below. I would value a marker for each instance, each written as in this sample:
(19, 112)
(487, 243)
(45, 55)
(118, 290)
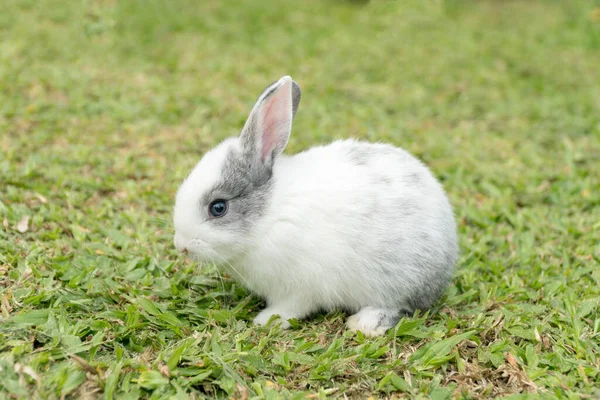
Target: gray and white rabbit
(355, 226)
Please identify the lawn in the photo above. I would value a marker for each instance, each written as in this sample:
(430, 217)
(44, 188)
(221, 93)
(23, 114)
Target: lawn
(106, 105)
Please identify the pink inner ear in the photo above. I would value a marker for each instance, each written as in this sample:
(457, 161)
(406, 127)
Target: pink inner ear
(276, 120)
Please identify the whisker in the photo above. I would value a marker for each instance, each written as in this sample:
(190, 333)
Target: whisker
(234, 269)
(221, 280)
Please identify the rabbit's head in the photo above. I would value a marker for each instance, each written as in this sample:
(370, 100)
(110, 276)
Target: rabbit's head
(220, 203)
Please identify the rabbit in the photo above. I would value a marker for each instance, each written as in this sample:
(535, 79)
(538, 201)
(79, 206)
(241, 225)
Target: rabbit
(353, 226)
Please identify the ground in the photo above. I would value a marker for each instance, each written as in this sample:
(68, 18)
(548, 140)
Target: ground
(105, 106)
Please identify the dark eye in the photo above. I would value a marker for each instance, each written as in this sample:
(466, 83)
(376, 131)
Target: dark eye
(217, 208)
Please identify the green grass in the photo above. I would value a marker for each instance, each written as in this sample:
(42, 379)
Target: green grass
(105, 106)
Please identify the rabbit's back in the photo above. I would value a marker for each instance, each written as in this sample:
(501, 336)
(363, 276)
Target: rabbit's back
(353, 224)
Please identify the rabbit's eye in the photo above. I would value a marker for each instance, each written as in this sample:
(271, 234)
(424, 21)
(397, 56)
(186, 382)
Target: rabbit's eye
(218, 208)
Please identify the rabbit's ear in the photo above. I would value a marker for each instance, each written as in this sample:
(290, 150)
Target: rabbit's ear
(269, 124)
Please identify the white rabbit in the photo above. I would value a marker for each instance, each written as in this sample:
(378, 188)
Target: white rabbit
(355, 226)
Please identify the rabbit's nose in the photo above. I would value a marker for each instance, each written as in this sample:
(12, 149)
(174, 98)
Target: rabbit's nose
(179, 243)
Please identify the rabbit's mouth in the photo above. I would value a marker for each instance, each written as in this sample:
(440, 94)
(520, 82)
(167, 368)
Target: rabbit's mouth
(198, 250)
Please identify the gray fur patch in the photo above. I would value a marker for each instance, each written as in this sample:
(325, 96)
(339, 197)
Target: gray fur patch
(382, 180)
(249, 135)
(296, 96)
(450, 258)
(431, 287)
(387, 318)
(413, 179)
(245, 187)
(408, 208)
(424, 236)
(361, 155)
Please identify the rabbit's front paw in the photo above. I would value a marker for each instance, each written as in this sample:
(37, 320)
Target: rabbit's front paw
(265, 315)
